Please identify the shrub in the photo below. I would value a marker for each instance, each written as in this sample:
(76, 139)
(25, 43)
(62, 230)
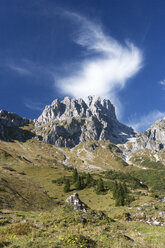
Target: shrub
(78, 241)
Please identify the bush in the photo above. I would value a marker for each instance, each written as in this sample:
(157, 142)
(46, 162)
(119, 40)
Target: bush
(78, 241)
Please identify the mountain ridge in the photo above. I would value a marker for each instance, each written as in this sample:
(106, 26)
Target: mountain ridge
(72, 121)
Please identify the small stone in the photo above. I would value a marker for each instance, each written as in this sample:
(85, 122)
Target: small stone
(139, 208)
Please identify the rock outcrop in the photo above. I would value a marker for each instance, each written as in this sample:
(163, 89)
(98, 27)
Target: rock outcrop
(73, 121)
(153, 139)
(76, 203)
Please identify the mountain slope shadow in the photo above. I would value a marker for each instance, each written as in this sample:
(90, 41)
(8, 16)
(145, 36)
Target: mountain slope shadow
(15, 133)
(14, 127)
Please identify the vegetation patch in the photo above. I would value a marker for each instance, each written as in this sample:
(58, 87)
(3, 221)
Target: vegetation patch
(78, 241)
(134, 182)
(20, 228)
(152, 164)
(155, 179)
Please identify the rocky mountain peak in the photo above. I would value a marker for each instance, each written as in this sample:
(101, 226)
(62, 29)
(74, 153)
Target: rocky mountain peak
(83, 108)
(72, 121)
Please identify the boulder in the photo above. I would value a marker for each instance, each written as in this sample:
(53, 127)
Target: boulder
(76, 203)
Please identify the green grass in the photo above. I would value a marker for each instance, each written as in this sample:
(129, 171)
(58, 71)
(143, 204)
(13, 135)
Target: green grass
(62, 227)
(34, 183)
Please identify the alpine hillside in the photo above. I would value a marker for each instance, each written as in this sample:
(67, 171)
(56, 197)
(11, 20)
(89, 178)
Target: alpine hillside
(77, 177)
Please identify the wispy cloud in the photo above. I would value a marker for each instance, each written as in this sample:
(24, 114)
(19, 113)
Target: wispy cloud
(27, 68)
(34, 105)
(143, 122)
(107, 65)
(19, 69)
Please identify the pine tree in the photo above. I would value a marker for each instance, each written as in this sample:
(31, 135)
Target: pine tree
(120, 195)
(78, 183)
(82, 183)
(125, 188)
(100, 186)
(75, 176)
(67, 186)
(115, 190)
(89, 180)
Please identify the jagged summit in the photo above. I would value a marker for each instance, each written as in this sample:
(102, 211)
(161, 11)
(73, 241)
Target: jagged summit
(73, 121)
(84, 108)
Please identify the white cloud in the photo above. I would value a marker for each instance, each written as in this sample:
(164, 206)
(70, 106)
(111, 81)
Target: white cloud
(145, 121)
(107, 65)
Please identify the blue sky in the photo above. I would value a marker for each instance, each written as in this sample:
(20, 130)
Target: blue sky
(112, 48)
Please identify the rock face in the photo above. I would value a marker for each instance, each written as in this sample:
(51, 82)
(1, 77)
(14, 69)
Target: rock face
(153, 139)
(10, 120)
(73, 121)
(76, 203)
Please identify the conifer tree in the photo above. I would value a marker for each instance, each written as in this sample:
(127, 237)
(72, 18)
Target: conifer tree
(120, 198)
(115, 189)
(100, 186)
(89, 180)
(67, 186)
(82, 183)
(119, 194)
(78, 183)
(125, 188)
(75, 176)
